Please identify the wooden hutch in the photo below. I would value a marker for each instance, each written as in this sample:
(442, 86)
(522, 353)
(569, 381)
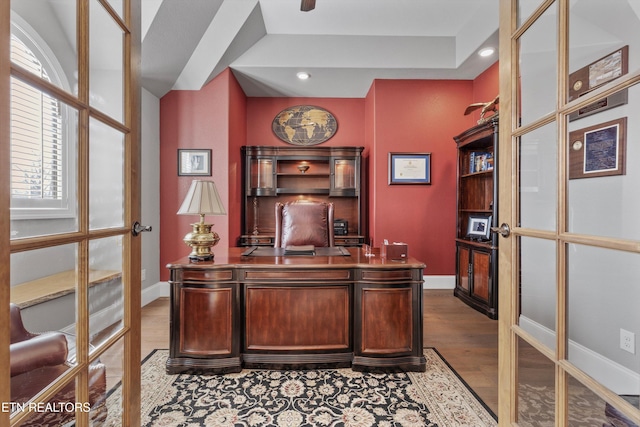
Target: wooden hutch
(282, 174)
(477, 196)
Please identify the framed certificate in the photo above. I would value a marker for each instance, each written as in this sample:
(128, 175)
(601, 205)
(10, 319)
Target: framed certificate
(409, 168)
(598, 150)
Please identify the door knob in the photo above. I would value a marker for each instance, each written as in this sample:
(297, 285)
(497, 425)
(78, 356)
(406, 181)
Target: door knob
(137, 228)
(504, 230)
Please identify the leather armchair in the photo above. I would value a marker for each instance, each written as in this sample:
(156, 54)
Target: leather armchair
(304, 223)
(37, 360)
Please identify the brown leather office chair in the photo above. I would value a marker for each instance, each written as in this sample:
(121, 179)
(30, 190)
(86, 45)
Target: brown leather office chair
(36, 360)
(304, 223)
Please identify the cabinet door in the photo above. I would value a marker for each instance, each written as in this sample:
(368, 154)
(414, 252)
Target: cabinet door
(206, 321)
(481, 275)
(344, 176)
(463, 267)
(386, 321)
(261, 178)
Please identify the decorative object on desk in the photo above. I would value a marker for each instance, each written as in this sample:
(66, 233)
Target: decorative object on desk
(409, 168)
(598, 150)
(396, 251)
(303, 167)
(304, 125)
(491, 106)
(479, 227)
(202, 199)
(194, 162)
(435, 397)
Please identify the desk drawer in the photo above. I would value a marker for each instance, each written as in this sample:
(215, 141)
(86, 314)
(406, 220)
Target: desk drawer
(298, 275)
(204, 275)
(387, 275)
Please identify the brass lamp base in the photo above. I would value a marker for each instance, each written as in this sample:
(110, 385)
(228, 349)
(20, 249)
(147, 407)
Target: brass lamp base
(201, 240)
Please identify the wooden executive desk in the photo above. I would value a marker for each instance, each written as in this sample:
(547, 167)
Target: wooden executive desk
(295, 312)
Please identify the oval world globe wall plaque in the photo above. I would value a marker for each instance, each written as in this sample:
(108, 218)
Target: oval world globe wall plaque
(304, 125)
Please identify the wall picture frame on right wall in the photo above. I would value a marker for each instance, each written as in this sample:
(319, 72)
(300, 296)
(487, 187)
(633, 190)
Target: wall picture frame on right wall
(598, 150)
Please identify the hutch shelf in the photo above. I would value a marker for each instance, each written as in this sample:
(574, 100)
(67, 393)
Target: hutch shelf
(280, 174)
(477, 212)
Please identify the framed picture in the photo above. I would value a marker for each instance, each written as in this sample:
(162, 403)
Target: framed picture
(598, 150)
(479, 227)
(409, 168)
(194, 162)
(599, 72)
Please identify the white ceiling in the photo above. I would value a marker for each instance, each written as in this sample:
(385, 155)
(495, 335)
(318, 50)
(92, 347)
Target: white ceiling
(343, 44)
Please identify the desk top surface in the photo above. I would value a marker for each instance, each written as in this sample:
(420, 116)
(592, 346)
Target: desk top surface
(233, 257)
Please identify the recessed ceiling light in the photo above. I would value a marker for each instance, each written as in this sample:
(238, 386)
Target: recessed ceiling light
(303, 75)
(487, 51)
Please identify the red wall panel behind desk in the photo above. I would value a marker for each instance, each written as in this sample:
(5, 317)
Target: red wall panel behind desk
(200, 119)
(418, 116)
(349, 114)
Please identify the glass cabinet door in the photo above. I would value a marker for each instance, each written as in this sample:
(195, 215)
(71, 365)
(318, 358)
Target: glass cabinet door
(344, 174)
(261, 176)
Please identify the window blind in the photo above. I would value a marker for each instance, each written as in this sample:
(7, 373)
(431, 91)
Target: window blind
(36, 134)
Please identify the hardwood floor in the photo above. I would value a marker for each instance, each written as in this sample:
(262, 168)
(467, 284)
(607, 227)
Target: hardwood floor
(468, 340)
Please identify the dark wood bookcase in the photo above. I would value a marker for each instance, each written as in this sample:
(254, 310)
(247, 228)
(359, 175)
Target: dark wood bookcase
(477, 211)
(280, 174)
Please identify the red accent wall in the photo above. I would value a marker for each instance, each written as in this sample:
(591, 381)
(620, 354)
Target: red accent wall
(395, 116)
(417, 116)
(349, 114)
(214, 118)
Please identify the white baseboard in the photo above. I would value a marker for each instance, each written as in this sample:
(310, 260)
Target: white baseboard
(439, 282)
(614, 376)
(153, 292)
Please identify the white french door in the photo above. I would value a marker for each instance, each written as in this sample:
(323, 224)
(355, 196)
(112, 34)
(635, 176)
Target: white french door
(570, 268)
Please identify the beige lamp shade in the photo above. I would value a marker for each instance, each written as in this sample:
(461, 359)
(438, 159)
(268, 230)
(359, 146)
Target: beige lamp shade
(202, 199)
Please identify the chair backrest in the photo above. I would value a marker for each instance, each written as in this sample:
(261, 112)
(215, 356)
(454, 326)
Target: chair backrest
(304, 223)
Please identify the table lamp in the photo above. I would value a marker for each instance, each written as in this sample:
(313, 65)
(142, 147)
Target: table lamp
(202, 199)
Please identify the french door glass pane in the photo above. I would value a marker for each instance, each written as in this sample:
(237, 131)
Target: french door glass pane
(46, 47)
(585, 407)
(117, 7)
(538, 289)
(113, 358)
(536, 387)
(537, 62)
(525, 8)
(43, 284)
(106, 297)
(603, 196)
(44, 163)
(538, 171)
(602, 305)
(106, 176)
(597, 32)
(43, 290)
(106, 63)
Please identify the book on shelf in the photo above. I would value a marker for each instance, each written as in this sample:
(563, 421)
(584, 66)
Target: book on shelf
(480, 161)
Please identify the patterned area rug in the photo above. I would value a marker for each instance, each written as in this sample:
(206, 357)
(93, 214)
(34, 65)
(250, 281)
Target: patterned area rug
(329, 397)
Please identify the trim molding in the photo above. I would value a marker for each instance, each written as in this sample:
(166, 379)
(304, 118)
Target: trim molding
(611, 374)
(439, 282)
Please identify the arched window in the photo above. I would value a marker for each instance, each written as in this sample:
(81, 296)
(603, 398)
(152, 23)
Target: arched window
(40, 141)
